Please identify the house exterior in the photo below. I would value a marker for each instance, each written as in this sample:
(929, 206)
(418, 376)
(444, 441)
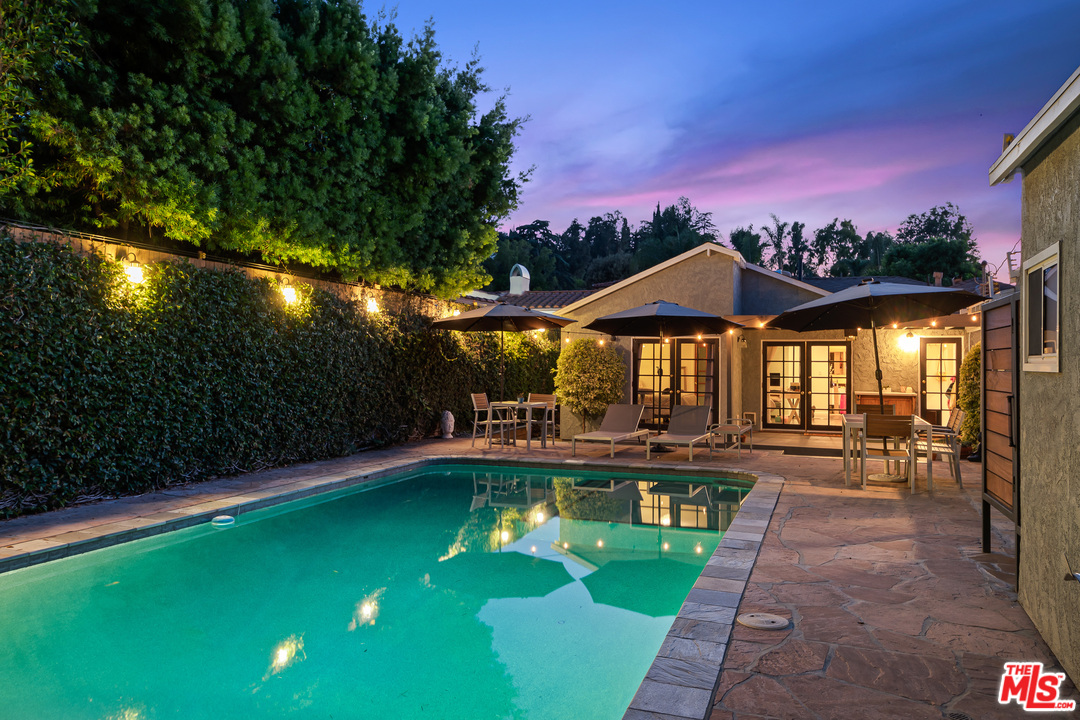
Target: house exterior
(1046, 154)
(781, 379)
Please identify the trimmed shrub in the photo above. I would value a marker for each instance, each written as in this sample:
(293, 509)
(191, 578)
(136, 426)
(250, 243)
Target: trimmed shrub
(109, 388)
(589, 377)
(969, 395)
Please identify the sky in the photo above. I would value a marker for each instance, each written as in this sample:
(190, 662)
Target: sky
(871, 111)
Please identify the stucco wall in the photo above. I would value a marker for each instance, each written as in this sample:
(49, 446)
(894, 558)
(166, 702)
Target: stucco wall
(898, 368)
(1049, 425)
(704, 282)
(763, 294)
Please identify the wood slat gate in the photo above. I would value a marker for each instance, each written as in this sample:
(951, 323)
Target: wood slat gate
(1000, 413)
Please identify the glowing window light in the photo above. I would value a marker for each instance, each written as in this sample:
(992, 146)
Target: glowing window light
(372, 305)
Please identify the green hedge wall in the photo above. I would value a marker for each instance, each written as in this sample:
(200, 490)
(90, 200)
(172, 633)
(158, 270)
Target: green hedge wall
(109, 388)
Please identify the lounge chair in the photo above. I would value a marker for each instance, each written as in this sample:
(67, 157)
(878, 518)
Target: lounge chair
(620, 423)
(689, 424)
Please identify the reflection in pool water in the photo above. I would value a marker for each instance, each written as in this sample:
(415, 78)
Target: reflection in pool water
(457, 593)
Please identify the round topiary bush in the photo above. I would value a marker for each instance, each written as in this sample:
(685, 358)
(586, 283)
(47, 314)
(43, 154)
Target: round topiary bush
(589, 377)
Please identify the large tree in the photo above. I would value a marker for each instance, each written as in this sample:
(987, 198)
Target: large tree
(943, 221)
(299, 130)
(838, 249)
(778, 235)
(748, 243)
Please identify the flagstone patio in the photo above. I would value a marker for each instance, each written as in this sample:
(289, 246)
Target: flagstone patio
(896, 612)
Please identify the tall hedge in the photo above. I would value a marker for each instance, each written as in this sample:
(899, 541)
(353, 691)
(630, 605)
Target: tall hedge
(110, 388)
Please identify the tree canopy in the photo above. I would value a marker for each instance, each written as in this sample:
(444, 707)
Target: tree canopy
(298, 130)
(610, 249)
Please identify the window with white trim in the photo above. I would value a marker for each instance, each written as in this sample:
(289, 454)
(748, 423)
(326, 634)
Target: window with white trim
(1041, 311)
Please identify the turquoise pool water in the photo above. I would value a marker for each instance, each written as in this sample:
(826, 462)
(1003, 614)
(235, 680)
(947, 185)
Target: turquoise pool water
(457, 592)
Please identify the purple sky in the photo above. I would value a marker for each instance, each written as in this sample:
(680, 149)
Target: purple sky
(868, 111)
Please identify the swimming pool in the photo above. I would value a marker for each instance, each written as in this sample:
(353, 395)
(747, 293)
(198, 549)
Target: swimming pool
(454, 592)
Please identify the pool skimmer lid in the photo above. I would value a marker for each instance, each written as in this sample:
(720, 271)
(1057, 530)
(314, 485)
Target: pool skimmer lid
(762, 621)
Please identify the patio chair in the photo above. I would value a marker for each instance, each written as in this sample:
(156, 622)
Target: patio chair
(877, 431)
(689, 424)
(620, 423)
(736, 428)
(549, 424)
(946, 444)
(481, 406)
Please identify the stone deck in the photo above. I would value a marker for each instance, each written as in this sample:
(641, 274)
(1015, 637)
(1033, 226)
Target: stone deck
(895, 610)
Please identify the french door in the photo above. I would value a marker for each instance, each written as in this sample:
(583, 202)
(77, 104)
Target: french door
(675, 372)
(939, 371)
(805, 385)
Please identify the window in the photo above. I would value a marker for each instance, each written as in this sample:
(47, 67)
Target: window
(1041, 314)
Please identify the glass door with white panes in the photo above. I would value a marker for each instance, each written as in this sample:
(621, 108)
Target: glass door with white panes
(939, 370)
(806, 385)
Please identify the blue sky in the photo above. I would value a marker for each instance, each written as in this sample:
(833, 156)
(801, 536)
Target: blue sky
(867, 111)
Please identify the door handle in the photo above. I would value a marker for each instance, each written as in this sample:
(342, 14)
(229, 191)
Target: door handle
(1009, 400)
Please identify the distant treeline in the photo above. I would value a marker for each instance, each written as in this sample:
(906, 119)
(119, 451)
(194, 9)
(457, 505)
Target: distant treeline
(610, 248)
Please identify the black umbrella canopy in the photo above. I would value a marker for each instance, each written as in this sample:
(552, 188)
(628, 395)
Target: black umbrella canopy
(501, 317)
(872, 304)
(662, 319)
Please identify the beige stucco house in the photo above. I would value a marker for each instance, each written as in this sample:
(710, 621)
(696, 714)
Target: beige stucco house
(798, 382)
(1046, 154)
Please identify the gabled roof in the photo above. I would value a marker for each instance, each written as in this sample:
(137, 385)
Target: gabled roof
(1055, 113)
(707, 248)
(547, 298)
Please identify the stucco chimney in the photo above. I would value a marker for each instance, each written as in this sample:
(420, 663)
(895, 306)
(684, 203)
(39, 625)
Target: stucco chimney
(519, 280)
(937, 279)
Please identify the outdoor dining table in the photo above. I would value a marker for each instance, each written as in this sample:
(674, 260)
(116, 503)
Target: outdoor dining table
(852, 426)
(528, 407)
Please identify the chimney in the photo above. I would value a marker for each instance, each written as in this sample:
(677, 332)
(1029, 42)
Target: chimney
(937, 278)
(519, 280)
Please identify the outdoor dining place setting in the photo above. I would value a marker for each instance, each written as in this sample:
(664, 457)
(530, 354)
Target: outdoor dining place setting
(506, 416)
(874, 431)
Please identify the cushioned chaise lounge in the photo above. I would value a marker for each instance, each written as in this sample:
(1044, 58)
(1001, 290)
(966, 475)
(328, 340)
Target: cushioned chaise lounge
(620, 423)
(689, 424)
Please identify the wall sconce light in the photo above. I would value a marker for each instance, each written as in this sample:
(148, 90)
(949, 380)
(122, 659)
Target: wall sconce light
(742, 342)
(288, 291)
(372, 305)
(132, 268)
(909, 342)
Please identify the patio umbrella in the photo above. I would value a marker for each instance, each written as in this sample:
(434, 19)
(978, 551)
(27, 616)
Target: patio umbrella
(873, 304)
(502, 317)
(662, 319)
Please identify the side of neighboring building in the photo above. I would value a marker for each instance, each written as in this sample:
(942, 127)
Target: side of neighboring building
(1047, 152)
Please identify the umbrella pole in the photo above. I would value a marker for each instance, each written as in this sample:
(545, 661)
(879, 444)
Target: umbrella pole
(880, 394)
(502, 366)
(877, 364)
